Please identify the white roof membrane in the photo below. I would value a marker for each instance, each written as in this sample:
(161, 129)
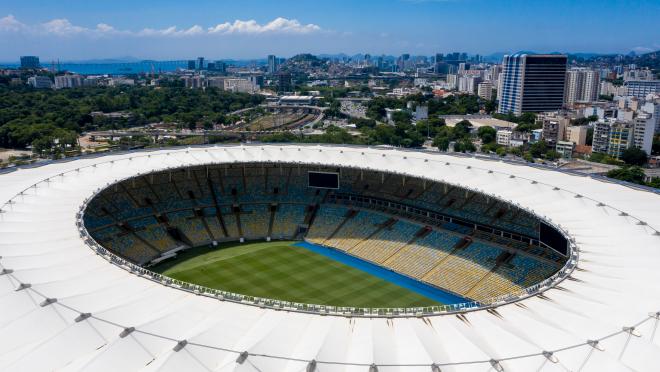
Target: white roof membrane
(603, 318)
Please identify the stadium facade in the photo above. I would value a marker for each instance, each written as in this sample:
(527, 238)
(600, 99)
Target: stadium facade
(67, 304)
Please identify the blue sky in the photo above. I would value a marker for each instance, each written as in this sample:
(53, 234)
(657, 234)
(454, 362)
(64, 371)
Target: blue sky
(168, 29)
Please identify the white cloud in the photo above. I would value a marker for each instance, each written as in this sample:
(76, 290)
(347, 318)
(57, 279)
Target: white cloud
(105, 28)
(10, 23)
(63, 27)
(278, 25)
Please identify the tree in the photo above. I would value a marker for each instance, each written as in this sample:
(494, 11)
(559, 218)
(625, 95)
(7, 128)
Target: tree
(487, 134)
(462, 129)
(28, 114)
(464, 145)
(552, 155)
(442, 143)
(538, 149)
(634, 156)
(630, 174)
(655, 182)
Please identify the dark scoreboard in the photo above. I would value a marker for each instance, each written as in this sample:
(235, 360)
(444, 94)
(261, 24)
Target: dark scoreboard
(323, 180)
(553, 238)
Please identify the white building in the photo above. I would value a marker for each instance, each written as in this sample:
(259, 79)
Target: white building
(296, 100)
(609, 89)
(68, 81)
(652, 106)
(240, 86)
(40, 82)
(115, 82)
(504, 137)
(640, 88)
(485, 90)
(593, 111)
(472, 83)
(643, 129)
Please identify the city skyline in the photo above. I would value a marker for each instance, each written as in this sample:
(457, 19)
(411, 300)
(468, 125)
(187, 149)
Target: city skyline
(252, 29)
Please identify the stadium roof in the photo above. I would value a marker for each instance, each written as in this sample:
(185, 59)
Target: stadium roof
(65, 308)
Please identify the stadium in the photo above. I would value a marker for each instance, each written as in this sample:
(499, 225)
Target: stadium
(324, 258)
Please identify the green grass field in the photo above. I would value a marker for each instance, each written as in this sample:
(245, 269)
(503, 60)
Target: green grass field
(281, 271)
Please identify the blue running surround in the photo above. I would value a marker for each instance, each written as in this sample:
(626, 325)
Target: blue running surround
(416, 286)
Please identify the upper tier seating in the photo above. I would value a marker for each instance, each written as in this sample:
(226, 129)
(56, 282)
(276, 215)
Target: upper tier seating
(254, 221)
(287, 219)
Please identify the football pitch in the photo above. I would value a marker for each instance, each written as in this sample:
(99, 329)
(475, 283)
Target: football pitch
(282, 271)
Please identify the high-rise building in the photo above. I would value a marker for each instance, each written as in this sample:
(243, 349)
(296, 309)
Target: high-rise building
(532, 83)
(191, 64)
(29, 62)
(273, 64)
(221, 67)
(493, 72)
(257, 80)
(380, 63)
(485, 90)
(582, 85)
(601, 138)
(591, 89)
(643, 129)
(452, 81)
(463, 84)
(284, 82)
(473, 83)
(403, 62)
(200, 63)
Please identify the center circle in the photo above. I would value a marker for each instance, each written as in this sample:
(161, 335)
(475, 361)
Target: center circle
(326, 235)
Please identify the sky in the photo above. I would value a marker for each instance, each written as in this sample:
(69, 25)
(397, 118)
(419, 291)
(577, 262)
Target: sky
(249, 29)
